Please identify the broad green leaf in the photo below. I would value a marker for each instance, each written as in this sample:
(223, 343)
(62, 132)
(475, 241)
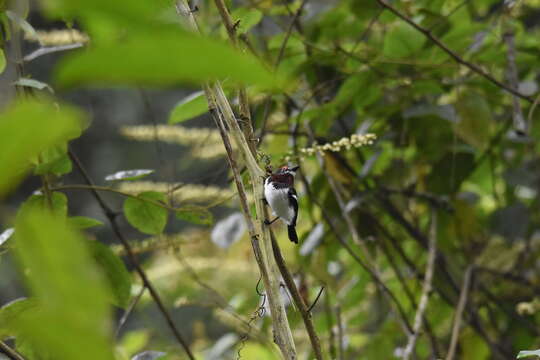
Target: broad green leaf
(196, 216)
(474, 119)
(248, 18)
(40, 202)
(10, 313)
(189, 107)
(66, 282)
(115, 272)
(129, 174)
(26, 129)
(83, 222)
(53, 160)
(401, 41)
(160, 58)
(144, 215)
(526, 353)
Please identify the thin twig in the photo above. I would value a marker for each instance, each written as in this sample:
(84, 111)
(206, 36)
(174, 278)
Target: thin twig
(297, 298)
(111, 216)
(126, 194)
(129, 310)
(51, 49)
(520, 125)
(459, 313)
(426, 289)
(9, 352)
(475, 68)
(316, 299)
(340, 333)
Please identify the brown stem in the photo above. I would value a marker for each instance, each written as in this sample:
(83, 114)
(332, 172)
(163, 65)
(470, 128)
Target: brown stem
(297, 298)
(10, 353)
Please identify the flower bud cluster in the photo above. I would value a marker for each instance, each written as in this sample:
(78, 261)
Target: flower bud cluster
(355, 140)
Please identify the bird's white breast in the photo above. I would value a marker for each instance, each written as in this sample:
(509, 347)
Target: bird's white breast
(278, 199)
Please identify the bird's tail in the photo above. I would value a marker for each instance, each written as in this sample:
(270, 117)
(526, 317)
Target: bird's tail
(292, 234)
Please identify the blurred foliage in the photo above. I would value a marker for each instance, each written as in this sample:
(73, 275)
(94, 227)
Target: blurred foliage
(446, 145)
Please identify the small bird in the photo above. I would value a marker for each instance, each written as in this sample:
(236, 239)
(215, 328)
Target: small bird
(279, 193)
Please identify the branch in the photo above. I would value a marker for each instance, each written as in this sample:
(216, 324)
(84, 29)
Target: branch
(225, 120)
(96, 188)
(51, 49)
(426, 289)
(111, 216)
(10, 353)
(520, 125)
(297, 298)
(245, 114)
(128, 311)
(475, 68)
(459, 313)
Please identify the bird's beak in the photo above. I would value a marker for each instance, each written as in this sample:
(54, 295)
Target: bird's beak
(295, 168)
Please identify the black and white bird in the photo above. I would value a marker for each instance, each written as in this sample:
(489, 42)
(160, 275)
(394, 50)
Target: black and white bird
(279, 193)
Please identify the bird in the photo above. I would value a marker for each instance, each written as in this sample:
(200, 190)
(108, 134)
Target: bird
(280, 195)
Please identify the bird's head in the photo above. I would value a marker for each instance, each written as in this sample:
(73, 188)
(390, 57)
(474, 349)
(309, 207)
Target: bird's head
(285, 170)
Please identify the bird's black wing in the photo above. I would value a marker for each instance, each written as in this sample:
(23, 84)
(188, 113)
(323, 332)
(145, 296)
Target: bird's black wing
(293, 201)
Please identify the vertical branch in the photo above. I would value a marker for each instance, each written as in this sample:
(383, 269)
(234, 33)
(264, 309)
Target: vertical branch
(226, 120)
(459, 313)
(243, 109)
(297, 298)
(426, 289)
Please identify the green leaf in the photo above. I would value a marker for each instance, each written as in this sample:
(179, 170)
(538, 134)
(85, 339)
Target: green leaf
(474, 119)
(68, 286)
(189, 107)
(144, 215)
(160, 58)
(527, 353)
(248, 18)
(196, 216)
(402, 41)
(10, 312)
(2, 61)
(26, 129)
(115, 272)
(449, 172)
(54, 160)
(129, 174)
(83, 222)
(40, 202)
